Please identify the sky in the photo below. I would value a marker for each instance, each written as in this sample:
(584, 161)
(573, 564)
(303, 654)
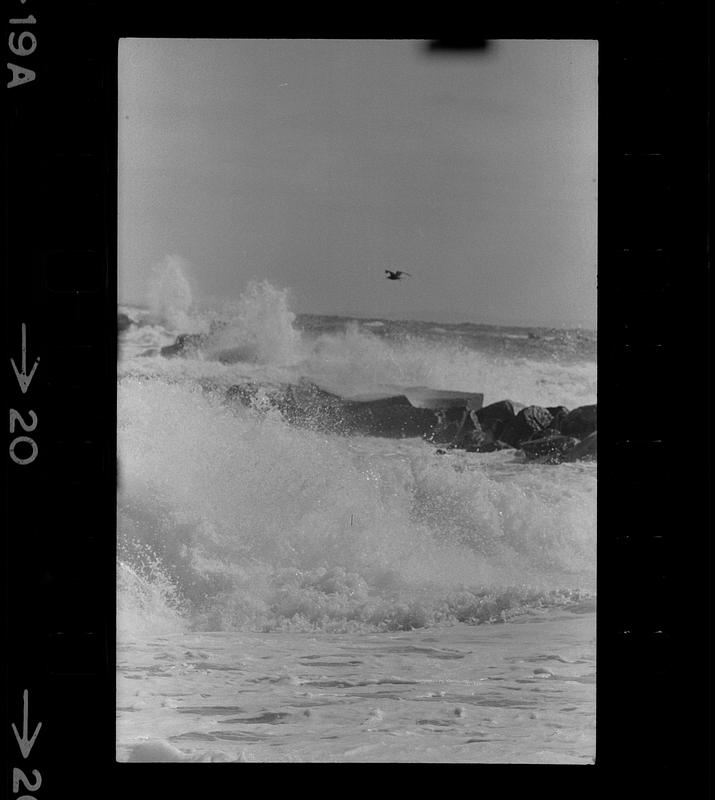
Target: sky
(318, 164)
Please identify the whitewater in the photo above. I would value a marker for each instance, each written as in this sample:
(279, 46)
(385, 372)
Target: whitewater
(290, 592)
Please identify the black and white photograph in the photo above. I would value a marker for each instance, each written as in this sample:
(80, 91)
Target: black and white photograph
(307, 325)
(357, 393)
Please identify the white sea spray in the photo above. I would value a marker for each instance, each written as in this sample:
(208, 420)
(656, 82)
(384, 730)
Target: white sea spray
(231, 517)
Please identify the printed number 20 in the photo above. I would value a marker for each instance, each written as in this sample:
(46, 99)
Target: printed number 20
(29, 427)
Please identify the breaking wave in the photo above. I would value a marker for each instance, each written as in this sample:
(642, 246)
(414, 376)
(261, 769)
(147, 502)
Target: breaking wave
(230, 517)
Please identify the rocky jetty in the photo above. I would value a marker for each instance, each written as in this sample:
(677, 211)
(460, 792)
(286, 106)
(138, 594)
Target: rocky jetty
(451, 419)
(536, 431)
(580, 422)
(308, 405)
(551, 434)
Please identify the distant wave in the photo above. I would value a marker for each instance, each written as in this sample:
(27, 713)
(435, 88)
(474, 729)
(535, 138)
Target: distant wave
(230, 516)
(259, 337)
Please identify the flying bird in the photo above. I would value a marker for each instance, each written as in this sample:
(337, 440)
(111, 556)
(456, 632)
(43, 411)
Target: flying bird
(396, 275)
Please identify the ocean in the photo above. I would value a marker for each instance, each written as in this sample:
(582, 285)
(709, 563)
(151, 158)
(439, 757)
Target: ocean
(292, 589)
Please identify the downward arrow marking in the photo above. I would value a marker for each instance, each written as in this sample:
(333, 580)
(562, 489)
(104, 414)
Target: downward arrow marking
(24, 742)
(22, 377)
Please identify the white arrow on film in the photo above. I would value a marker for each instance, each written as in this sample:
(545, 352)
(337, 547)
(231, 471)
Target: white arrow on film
(22, 377)
(24, 742)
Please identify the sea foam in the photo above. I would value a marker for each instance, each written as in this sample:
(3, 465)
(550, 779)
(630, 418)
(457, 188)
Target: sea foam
(257, 523)
(230, 517)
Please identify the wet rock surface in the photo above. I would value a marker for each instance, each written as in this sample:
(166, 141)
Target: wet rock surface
(505, 425)
(186, 344)
(446, 418)
(123, 322)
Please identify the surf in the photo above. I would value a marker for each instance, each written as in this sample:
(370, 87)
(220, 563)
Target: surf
(257, 524)
(233, 517)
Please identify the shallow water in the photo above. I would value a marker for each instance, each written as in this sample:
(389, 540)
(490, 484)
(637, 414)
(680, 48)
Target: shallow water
(521, 692)
(291, 592)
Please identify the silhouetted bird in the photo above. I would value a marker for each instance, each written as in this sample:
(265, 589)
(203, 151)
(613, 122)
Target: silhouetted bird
(396, 275)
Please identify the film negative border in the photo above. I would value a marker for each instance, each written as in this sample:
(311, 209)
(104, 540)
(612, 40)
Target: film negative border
(60, 345)
(60, 319)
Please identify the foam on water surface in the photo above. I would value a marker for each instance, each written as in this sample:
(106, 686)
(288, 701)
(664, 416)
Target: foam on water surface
(230, 517)
(521, 692)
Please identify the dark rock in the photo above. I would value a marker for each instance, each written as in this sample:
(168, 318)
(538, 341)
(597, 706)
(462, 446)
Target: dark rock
(307, 404)
(310, 406)
(549, 446)
(546, 433)
(457, 426)
(376, 418)
(529, 423)
(476, 439)
(185, 344)
(585, 449)
(449, 423)
(383, 402)
(501, 410)
(123, 322)
(580, 422)
(557, 411)
(493, 417)
(499, 426)
(558, 414)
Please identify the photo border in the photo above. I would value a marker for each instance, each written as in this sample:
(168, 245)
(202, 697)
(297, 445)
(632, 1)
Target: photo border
(653, 328)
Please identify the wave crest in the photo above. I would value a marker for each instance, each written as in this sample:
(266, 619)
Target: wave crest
(257, 524)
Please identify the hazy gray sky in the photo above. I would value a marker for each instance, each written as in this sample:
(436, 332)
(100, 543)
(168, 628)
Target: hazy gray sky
(317, 164)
